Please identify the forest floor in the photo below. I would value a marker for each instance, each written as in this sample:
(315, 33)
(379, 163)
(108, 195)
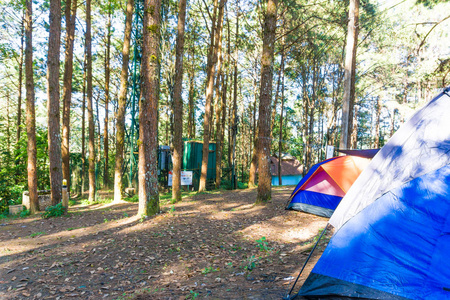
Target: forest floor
(216, 245)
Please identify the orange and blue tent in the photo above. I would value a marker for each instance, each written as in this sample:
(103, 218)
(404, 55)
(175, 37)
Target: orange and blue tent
(321, 190)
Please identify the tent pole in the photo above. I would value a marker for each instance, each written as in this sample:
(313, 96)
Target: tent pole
(288, 296)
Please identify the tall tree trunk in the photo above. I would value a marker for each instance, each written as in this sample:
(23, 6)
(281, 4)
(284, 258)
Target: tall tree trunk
(392, 130)
(254, 159)
(377, 123)
(83, 127)
(224, 102)
(280, 139)
(220, 106)
(19, 88)
(277, 93)
(220, 125)
(212, 59)
(234, 109)
(191, 96)
(148, 108)
(31, 114)
(354, 139)
(107, 76)
(70, 14)
(349, 77)
(121, 109)
(54, 134)
(178, 105)
(90, 103)
(312, 107)
(265, 105)
(8, 124)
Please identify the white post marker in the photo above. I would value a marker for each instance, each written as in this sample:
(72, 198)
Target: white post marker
(330, 151)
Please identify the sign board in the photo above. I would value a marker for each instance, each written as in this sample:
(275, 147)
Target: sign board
(186, 178)
(330, 151)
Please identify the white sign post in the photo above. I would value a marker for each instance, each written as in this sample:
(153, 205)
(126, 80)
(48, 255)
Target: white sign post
(330, 151)
(186, 178)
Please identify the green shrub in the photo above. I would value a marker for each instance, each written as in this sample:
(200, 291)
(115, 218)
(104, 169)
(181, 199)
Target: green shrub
(54, 211)
(9, 195)
(134, 199)
(25, 212)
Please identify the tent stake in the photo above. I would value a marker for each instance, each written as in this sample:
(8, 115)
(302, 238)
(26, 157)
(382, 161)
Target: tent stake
(288, 296)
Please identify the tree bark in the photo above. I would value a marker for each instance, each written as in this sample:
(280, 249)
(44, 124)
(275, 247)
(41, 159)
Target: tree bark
(280, 139)
(70, 14)
(107, 77)
(392, 130)
(54, 135)
(191, 96)
(19, 89)
(221, 147)
(121, 109)
(254, 161)
(148, 109)
(31, 114)
(90, 103)
(83, 127)
(349, 76)
(377, 123)
(8, 124)
(265, 106)
(220, 125)
(234, 109)
(178, 105)
(220, 80)
(212, 59)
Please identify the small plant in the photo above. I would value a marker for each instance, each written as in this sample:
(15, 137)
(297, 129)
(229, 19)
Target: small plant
(36, 234)
(54, 211)
(142, 219)
(125, 215)
(72, 202)
(172, 209)
(73, 228)
(105, 220)
(251, 263)
(192, 295)
(208, 270)
(262, 244)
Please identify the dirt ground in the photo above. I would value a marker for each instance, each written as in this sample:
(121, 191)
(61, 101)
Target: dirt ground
(215, 245)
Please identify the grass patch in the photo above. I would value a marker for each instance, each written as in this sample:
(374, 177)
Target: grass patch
(37, 234)
(73, 228)
(98, 200)
(132, 199)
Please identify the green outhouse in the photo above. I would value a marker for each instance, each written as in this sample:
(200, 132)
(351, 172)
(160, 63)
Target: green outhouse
(192, 161)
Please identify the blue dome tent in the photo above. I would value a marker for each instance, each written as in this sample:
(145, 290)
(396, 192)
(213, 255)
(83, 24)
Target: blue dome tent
(392, 229)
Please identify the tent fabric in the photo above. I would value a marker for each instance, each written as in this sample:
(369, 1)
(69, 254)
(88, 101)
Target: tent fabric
(397, 245)
(323, 183)
(392, 237)
(420, 146)
(366, 153)
(315, 203)
(321, 190)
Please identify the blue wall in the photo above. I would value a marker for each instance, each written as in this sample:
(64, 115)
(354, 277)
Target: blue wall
(287, 179)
